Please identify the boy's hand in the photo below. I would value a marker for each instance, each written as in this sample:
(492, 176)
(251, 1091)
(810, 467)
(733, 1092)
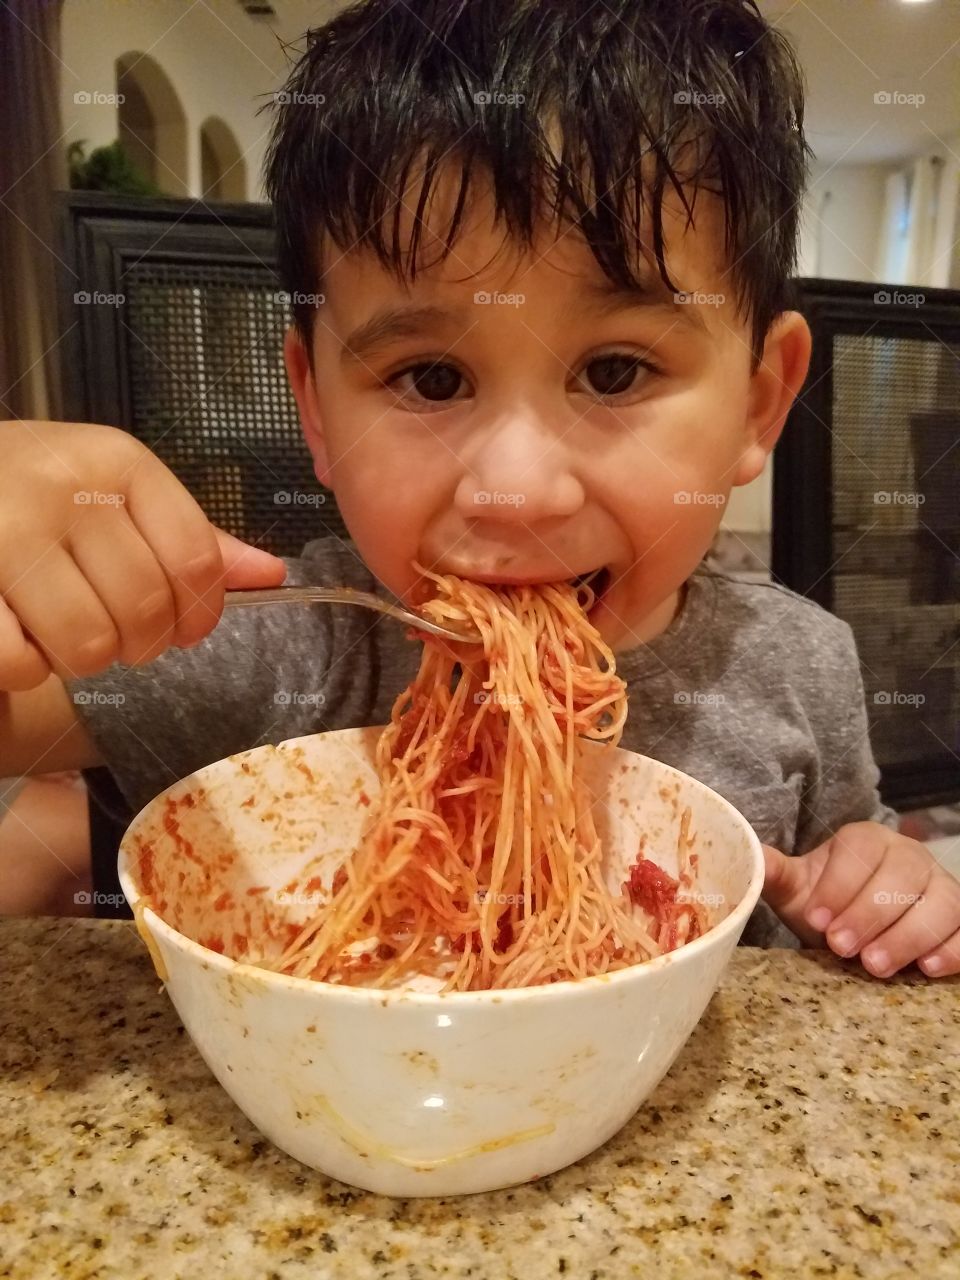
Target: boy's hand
(104, 555)
(870, 891)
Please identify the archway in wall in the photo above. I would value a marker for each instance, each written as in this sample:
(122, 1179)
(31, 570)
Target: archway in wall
(223, 170)
(152, 124)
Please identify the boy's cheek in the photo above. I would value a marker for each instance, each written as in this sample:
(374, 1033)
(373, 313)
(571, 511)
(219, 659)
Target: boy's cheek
(386, 515)
(678, 524)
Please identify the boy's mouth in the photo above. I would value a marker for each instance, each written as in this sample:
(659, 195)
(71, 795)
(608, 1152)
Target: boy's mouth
(596, 581)
(591, 585)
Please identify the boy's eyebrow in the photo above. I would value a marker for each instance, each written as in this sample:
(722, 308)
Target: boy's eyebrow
(392, 323)
(601, 297)
(605, 297)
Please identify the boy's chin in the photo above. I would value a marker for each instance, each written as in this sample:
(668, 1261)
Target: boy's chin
(613, 630)
(624, 625)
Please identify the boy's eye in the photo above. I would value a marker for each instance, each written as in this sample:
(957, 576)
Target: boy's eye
(429, 381)
(614, 374)
(439, 382)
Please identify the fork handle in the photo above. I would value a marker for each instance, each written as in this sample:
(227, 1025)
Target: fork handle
(303, 595)
(334, 595)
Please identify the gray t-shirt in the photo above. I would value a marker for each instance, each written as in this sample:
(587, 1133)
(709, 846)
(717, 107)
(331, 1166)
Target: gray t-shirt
(752, 689)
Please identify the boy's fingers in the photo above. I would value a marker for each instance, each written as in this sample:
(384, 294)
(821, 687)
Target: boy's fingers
(931, 918)
(22, 665)
(944, 960)
(894, 889)
(64, 617)
(245, 567)
(124, 572)
(852, 855)
(183, 540)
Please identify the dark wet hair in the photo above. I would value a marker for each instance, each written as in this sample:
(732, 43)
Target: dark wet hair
(388, 90)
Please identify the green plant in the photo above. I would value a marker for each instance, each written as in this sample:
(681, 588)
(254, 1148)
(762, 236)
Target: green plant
(107, 168)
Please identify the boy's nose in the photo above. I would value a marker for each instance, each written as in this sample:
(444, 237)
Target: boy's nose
(520, 473)
(533, 499)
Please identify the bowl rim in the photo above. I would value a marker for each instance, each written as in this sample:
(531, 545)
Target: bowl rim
(734, 922)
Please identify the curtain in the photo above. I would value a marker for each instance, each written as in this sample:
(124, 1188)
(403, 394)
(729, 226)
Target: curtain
(32, 166)
(919, 217)
(892, 255)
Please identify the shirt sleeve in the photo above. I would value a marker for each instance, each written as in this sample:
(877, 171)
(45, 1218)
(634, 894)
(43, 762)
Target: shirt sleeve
(845, 786)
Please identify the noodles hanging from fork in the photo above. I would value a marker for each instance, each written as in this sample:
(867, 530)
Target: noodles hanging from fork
(480, 862)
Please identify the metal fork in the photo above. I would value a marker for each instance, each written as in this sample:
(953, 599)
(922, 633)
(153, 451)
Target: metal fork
(346, 595)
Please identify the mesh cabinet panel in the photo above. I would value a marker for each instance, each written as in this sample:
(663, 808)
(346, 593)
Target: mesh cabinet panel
(896, 518)
(191, 361)
(210, 397)
(867, 516)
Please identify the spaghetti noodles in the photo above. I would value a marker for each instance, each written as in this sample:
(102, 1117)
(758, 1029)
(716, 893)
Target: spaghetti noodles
(480, 863)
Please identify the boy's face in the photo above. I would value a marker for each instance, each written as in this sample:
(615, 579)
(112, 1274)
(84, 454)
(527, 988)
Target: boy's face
(529, 426)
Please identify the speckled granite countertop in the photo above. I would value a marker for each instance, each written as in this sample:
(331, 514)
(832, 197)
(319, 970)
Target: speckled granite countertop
(809, 1128)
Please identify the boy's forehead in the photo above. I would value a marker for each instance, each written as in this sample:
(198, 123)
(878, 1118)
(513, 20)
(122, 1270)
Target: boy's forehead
(559, 263)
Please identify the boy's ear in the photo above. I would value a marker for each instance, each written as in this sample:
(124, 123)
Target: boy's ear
(305, 393)
(773, 389)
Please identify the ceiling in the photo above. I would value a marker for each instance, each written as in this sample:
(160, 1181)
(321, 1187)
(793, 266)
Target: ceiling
(853, 49)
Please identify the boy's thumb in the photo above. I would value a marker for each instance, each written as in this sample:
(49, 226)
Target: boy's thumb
(782, 877)
(245, 566)
(786, 888)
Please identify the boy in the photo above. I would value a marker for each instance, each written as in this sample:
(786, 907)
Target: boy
(553, 243)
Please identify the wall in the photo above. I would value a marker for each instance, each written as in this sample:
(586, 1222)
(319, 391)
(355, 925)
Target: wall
(842, 220)
(217, 58)
(840, 230)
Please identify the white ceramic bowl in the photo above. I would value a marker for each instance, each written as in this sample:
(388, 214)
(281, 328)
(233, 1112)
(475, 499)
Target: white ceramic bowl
(413, 1093)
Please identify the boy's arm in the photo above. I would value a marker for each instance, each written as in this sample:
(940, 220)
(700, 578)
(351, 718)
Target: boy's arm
(41, 733)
